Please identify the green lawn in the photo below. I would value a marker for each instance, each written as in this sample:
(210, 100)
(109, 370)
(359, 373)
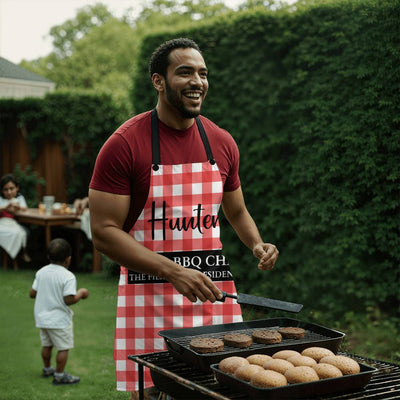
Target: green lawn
(372, 335)
(91, 359)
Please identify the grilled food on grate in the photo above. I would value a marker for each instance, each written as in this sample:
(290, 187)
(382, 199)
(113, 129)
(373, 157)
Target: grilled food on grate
(290, 332)
(266, 336)
(206, 345)
(239, 340)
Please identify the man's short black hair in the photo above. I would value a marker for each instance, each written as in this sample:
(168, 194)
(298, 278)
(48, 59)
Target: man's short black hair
(159, 60)
(58, 251)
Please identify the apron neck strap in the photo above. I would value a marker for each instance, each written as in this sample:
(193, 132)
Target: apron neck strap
(206, 143)
(155, 141)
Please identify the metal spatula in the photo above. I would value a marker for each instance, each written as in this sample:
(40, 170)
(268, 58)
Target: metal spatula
(248, 299)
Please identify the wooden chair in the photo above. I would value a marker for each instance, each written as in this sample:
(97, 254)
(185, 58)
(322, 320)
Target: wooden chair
(5, 260)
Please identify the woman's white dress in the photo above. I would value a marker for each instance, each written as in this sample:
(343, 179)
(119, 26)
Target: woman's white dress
(13, 236)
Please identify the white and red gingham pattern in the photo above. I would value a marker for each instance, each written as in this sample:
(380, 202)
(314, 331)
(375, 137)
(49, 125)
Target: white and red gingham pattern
(183, 187)
(145, 309)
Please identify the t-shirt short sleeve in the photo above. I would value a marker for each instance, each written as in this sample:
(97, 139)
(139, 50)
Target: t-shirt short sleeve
(35, 284)
(113, 167)
(70, 287)
(22, 201)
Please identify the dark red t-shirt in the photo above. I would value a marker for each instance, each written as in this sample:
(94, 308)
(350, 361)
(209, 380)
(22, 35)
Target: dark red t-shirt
(124, 162)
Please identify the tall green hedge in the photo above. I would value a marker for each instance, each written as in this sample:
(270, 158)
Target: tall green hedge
(312, 99)
(80, 121)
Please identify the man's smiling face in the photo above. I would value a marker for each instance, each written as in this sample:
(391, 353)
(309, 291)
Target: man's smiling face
(186, 83)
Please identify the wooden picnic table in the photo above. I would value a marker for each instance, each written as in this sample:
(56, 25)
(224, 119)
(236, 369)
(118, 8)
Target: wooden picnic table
(34, 216)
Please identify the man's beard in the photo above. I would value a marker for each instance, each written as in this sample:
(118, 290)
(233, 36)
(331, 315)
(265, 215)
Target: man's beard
(177, 103)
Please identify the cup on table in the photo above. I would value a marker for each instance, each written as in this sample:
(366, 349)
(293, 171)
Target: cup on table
(48, 202)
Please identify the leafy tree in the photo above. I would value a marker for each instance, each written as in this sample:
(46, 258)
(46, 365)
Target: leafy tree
(249, 4)
(66, 35)
(92, 51)
(96, 50)
(181, 11)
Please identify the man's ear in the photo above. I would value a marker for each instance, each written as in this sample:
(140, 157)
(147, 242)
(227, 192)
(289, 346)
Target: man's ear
(158, 82)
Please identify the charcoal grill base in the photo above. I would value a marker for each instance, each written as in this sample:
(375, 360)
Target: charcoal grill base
(183, 382)
(174, 389)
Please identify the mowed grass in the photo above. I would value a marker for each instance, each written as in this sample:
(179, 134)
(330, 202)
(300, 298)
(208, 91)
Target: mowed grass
(91, 359)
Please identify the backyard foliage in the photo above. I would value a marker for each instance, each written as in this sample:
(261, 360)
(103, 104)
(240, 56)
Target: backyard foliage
(80, 121)
(311, 98)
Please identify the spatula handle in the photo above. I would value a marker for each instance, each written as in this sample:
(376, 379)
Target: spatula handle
(225, 295)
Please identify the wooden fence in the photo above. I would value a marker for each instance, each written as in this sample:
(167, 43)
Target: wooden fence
(49, 162)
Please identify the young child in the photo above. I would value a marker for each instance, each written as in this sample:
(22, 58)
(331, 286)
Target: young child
(54, 289)
(13, 236)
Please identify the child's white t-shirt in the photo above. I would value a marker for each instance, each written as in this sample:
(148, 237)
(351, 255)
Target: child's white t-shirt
(52, 283)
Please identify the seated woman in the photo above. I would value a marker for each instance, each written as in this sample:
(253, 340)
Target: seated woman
(13, 236)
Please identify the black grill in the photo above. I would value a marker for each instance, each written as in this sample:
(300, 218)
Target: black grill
(182, 381)
(178, 340)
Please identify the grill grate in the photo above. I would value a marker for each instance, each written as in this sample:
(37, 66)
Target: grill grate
(309, 336)
(179, 376)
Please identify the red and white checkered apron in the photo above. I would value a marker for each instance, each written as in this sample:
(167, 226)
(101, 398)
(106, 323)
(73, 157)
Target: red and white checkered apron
(180, 221)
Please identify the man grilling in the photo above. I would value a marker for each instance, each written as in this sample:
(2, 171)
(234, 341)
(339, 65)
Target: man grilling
(156, 190)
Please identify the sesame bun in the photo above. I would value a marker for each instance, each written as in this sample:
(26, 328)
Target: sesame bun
(301, 375)
(317, 353)
(230, 364)
(258, 359)
(300, 360)
(347, 365)
(268, 379)
(246, 372)
(285, 354)
(325, 371)
(278, 365)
